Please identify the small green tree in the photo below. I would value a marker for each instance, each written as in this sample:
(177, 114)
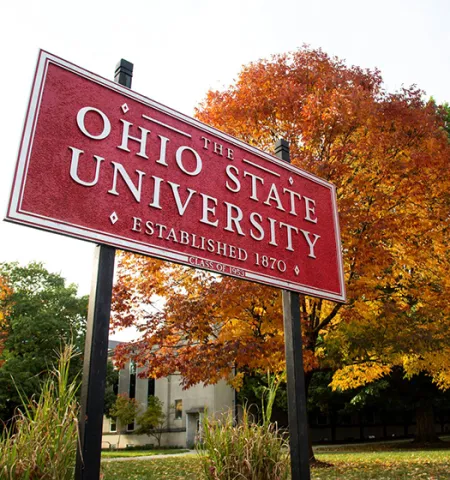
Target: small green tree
(153, 420)
(125, 410)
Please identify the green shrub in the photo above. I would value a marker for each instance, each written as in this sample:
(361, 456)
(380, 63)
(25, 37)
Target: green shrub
(42, 440)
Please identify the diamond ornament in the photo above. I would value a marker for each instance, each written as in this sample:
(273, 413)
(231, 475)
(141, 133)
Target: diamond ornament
(114, 217)
(296, 270)
(125, 108)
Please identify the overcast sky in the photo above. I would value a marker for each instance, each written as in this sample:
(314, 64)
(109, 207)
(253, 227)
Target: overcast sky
(182, 48)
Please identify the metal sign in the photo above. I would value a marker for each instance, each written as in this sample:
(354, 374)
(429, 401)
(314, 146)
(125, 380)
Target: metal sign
(102, 163)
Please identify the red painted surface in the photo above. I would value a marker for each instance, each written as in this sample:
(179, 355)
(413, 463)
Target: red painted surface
(185, 192)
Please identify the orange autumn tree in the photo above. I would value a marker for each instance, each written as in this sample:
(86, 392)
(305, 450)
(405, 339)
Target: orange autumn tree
(388, 155)
(203, 326)
(5, 292)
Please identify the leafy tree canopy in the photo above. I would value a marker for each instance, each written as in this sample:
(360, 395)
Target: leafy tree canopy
(388, 155)
(39, 314)
(111, 387)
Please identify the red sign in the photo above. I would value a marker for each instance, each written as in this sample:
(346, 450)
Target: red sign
(102, 163)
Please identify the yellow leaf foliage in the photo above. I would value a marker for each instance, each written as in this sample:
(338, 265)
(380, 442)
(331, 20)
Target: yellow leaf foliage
(353, 376)
(435, 364)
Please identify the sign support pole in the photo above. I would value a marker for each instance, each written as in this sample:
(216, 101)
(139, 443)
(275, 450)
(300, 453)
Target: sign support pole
(96, 346)
(298, 422)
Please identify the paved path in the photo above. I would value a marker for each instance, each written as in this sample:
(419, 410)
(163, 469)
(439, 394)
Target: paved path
(148, 457)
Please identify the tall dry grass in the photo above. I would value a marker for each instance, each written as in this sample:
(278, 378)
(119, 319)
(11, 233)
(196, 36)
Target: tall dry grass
(245, 450)
(42, 441)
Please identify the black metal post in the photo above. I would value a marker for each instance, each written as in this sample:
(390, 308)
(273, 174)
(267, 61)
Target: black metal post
(298, 422)
(94, 369)
(124, 73)
(96, 346)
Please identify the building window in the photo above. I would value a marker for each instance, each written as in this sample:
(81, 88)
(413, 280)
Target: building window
(345, 419)
(370, 417)
(132, 389)
(115, 386)
(130, 427)
(178, 409)
(151, 387)
(322, 419)
(113, 425)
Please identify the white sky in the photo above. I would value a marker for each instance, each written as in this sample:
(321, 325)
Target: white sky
(182, 48)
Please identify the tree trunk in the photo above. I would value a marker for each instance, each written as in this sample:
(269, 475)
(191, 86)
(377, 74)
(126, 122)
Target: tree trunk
(425, 429)
(333, 418)
(361, 427)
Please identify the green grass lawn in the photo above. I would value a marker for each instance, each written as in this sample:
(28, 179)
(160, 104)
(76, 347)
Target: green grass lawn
(371, 462)
(167, 468)
(385, 465)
